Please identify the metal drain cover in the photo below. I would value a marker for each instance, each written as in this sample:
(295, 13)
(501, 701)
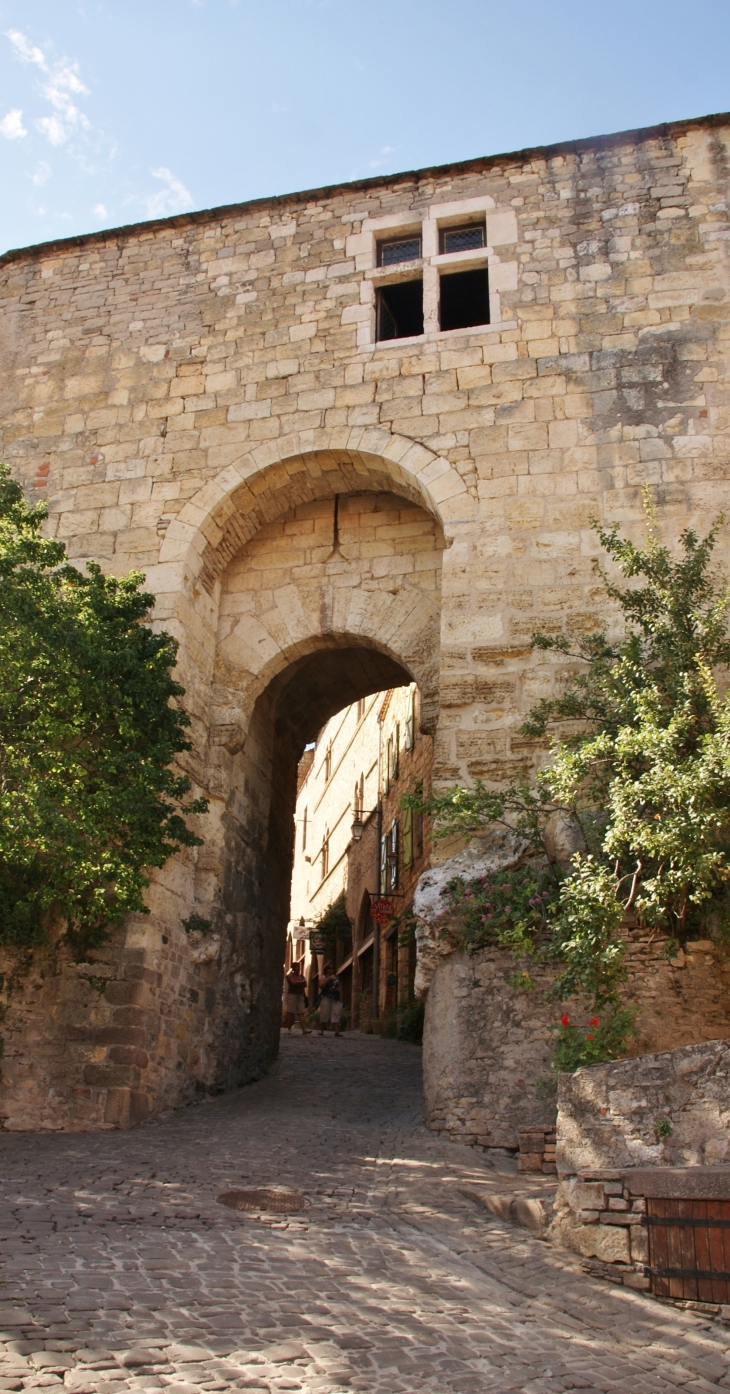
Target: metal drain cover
(273, 1199)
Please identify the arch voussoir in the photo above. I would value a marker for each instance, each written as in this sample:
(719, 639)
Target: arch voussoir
(277, 475)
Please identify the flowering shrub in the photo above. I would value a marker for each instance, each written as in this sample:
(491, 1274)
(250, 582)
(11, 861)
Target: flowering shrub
(604, 1038)
(509, 908)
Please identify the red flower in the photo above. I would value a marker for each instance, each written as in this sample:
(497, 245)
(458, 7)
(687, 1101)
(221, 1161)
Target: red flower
(589, 1037)
(593, 1022)
(565, 1020)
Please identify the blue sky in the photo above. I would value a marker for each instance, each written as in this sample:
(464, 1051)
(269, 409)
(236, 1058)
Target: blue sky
(113, 111)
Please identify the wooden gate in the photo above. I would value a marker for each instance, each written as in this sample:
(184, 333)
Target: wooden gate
(689, 1249)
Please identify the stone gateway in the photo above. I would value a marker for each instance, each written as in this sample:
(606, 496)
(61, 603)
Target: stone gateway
(355, 438)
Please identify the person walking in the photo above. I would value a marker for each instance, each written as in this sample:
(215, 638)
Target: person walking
(330, 1005)
(296, 999)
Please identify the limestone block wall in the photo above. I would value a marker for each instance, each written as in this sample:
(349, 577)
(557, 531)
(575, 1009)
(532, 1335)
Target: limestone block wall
(486, 1051)
(608, 1114)
(620, 1125)
(488, 1043)
(176, 388)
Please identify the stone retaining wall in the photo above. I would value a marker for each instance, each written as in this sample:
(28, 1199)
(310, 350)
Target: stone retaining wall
(622, 1124)
(488, 1043)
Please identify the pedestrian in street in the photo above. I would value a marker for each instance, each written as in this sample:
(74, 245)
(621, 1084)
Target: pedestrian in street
(330, 1005)
(296, 996)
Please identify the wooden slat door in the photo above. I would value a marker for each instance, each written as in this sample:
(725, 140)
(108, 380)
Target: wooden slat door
(689, 1249)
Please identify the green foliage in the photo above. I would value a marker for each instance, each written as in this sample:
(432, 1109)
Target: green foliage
(334, 924)
(509, 908)
(458, 812)
(405, 1023)
(663, 1128)
(522, 982)
(196, 924)
(88, 734)
(604, 1038)
(410, 1024)
(640, 766)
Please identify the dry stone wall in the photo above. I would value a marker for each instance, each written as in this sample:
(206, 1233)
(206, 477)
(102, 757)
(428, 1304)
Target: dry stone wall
(176, 389)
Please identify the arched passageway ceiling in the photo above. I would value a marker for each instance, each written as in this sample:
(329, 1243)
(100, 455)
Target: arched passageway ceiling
(313, 688)
(228, 511)
(287, 594)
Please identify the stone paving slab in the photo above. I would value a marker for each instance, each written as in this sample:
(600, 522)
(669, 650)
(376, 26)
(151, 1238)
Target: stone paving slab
(122, 1272)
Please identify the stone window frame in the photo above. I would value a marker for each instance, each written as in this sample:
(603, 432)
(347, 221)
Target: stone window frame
(502, 233)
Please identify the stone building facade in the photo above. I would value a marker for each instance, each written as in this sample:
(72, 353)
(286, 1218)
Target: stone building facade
(195, 396)
(353, 839)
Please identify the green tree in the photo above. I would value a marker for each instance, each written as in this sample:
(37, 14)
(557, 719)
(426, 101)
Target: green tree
(640, 762)
(89, 730)
(334, 924)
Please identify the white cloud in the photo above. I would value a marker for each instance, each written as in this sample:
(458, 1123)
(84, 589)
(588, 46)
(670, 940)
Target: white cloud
(100, 210)
(12, 125)
(40, 173)
(62, 86)
(382, 156)
(175, 198)
(26, 50)
(53, 129)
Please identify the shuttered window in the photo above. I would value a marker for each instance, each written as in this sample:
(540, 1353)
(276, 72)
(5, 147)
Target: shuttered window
(408, 837)
(410, 721)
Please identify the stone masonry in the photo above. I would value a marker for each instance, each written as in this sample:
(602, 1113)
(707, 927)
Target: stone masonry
(191, 394)
(488, 1041)
(652, 1126)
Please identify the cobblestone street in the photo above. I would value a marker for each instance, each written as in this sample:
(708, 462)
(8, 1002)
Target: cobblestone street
(122, 1271)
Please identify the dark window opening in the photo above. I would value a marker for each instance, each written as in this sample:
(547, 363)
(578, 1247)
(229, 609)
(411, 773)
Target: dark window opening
(399, 249)
(463, 239)
(464, 299)
(400, 310)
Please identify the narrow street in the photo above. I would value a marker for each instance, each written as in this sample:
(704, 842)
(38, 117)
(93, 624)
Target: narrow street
(121, 1269)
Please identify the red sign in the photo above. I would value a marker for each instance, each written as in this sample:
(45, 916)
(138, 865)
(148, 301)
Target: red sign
(382, 910)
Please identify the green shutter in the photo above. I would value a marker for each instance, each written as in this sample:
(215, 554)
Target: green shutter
(407, 837)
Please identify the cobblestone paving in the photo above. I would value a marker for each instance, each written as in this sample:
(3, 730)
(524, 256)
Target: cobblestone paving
(121, 1271)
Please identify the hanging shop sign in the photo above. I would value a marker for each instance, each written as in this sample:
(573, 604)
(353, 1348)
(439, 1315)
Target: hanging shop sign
(382, 910)
(317, 943)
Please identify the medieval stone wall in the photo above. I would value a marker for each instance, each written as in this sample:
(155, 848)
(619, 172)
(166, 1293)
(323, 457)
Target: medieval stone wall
(488, 1042)
(652, 1126)
(176, 388)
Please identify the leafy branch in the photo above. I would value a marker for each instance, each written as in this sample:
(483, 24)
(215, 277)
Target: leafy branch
(639, 765)
(90, 727)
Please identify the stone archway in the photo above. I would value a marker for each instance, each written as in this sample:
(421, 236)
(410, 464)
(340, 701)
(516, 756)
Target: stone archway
(280, 625)
(309, 620)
